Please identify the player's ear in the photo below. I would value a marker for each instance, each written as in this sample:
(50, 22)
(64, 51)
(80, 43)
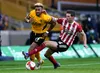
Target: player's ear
(44, 11)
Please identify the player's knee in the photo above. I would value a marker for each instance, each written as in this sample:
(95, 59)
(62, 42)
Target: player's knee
(32, 58)
(46, 43)
(32, 46)
(46, 55)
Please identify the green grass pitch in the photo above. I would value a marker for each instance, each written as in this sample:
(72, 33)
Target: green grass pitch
(76, 65)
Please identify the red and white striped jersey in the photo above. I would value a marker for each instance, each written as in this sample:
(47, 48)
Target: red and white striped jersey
(69, 31)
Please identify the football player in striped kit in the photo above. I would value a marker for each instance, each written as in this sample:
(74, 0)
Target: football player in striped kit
(70, 29)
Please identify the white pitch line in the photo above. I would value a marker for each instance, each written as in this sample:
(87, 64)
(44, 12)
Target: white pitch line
(52, 66)
(73, 65)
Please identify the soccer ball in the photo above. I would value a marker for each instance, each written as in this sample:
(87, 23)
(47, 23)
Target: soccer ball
(30, 65)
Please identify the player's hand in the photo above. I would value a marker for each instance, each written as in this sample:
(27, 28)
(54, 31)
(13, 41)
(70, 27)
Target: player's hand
(44, 11)
(85, 45)
(31, 20)
(45, 34)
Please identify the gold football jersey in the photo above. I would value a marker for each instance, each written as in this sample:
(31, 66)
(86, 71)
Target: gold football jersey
(38, 26)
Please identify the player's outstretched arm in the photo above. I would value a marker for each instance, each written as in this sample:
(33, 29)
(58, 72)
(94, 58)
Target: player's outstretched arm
(27, 19)
(52, 24)
(84, 39)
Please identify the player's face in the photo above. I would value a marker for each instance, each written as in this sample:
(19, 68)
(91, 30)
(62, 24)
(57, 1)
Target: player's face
(69, 17)
(38, 10)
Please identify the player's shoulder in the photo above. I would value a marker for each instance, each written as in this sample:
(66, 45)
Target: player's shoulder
(46, 16)
(77, 23)
(32, 11)
(62, 18)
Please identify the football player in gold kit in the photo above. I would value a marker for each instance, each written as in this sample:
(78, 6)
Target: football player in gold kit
(39, 20)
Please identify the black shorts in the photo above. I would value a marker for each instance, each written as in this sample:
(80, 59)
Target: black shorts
(34, 36)
(61, 47)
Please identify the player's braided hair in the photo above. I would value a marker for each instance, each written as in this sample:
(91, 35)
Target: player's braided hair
(38, 5)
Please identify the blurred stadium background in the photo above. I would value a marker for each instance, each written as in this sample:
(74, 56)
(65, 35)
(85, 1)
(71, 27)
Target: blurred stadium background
(14, 33)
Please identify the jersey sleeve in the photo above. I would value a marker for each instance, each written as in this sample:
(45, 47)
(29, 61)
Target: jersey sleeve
(60, 20)
(79, 29)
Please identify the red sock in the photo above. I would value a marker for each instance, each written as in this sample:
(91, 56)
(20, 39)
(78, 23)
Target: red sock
(37, 49)
(52, 60)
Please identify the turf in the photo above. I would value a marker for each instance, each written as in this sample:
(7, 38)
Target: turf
(80, 65)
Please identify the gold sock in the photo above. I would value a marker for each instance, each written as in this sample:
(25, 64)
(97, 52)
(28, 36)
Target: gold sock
(32, 57)
(37, 55)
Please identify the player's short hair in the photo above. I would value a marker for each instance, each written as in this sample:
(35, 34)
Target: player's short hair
(38, 5)
(72, 12)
